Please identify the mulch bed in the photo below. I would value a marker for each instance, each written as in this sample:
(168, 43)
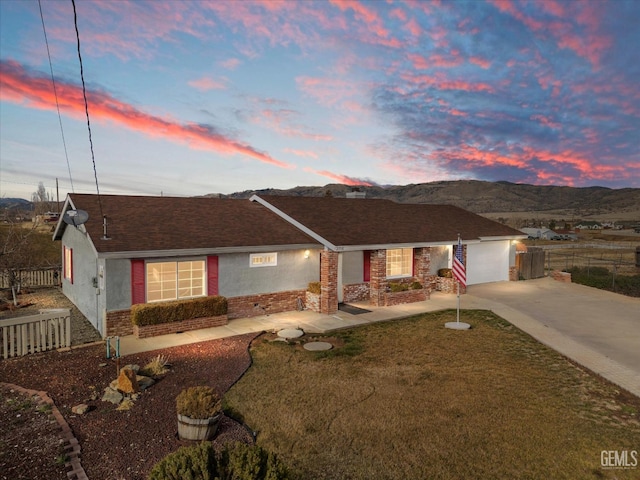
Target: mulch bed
(118, 445)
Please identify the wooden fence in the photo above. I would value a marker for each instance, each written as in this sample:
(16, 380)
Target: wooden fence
(35, 333)
(530, 264)
(37, 277)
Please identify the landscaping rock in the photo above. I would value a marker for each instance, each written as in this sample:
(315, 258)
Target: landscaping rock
(144, 382)
(80, 409)
(127, 381)
(112, 395)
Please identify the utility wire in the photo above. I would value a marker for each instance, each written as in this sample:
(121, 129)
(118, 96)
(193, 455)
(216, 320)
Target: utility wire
(55, 94)
(86, 106)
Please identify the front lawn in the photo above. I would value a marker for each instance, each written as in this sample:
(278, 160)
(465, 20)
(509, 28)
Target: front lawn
(410, 399)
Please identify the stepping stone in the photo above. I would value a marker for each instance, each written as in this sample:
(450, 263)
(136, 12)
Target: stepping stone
(290, 333)
(318, 346)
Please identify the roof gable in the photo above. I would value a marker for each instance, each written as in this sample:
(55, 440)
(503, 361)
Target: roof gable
(142, 223)
(352, 222)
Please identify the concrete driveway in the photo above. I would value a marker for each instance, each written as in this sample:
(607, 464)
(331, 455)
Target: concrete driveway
(596, 328)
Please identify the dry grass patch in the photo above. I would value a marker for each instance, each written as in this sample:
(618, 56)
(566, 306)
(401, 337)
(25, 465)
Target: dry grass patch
(411, 399)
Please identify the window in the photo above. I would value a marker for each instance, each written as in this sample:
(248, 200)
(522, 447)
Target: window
(174, 280)
(399, 262)
(68, 264)
(263, 259)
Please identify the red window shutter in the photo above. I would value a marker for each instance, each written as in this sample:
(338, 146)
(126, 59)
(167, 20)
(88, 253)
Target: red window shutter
(138, 293)
(212, 275)
(366, 271)
(71, 265)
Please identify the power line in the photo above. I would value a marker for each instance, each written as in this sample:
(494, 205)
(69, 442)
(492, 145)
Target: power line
(86, 106)
(55, 94)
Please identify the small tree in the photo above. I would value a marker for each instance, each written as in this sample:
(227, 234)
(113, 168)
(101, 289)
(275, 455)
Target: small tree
(42, 201)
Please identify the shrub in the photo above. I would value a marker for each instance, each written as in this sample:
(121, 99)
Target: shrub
(178, 310)
(398, 287)
(198, 402)
(240, 461)
(314, 287)
(415, 285)
(197, 462)
(157, 366)
(237, 461)
(445, 272)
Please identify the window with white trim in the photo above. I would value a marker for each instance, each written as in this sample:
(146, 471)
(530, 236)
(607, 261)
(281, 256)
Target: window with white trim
(175, 280)
(263, 259)
(399, 262)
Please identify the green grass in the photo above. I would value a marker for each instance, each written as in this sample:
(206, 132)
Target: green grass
(411, 399)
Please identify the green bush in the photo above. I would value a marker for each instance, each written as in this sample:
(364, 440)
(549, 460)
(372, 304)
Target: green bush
(197, 462)
(178, 310)
(398, 287)
(314, 287)
(240, 461)
(198, 402)
(602, 278)
(237, 461)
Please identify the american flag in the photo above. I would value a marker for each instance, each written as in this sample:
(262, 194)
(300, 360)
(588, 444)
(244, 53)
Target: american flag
(459, 270)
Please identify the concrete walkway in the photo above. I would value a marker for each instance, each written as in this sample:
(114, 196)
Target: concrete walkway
(597, 329)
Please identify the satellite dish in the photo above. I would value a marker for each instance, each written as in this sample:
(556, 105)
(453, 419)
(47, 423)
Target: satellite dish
(75, 217)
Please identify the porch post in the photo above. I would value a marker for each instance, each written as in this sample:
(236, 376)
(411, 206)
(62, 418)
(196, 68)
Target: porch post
(328, 282)
(378, 278)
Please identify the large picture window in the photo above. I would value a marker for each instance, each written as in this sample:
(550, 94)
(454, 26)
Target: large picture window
(399, 262)
(174, 280)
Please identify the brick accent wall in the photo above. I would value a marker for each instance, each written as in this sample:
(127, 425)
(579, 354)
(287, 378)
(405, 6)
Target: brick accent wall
(328, 282)
(422, 265)
(355, 292)
(513, 274)
(378, 278)
(264, 303)
(312, 301)
(118, 323)
(559, 276)
(448, 285)
(147, 331)
(408, 296)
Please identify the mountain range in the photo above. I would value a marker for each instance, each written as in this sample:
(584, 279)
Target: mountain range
(486, 197)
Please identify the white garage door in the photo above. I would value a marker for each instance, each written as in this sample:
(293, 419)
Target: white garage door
(487, 262)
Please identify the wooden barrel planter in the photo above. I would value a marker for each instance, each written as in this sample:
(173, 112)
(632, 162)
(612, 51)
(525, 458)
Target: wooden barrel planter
(197, 428)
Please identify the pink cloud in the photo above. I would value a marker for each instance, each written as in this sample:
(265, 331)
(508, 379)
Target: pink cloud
(204, 84)
(302, 153)
(374, 24)
(20, 87)
(344, 179)
(481, 62)
(230, 64)
(443, 83)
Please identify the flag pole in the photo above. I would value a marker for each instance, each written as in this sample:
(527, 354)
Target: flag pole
(458, 285)
(459, 275)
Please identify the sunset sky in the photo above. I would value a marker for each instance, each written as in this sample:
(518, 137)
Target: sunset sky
(196, 97)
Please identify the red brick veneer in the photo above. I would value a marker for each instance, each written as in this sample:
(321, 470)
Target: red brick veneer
(264, 303)
(118, 323)
(407, 296)
(355, 292)
(146, 331)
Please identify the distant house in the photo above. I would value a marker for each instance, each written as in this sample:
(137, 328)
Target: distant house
(540, 233)
(262, 253)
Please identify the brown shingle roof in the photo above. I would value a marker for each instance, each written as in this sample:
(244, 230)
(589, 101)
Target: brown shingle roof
(348, 222)
(139, 223)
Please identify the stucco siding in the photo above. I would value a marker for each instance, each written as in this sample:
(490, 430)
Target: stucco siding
(82, 291)
(440, 258)
(352, 267)
(118, 283)
(292, 272)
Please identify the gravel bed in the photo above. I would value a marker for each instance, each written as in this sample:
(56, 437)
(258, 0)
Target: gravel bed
(117, 445)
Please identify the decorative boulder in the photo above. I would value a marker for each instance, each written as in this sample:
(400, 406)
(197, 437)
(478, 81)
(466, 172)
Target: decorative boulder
(127, 381)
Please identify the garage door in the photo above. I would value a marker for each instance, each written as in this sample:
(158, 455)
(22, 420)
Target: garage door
(487, 262)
